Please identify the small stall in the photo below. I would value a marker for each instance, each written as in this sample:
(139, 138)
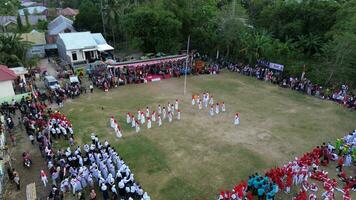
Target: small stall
(20, 72)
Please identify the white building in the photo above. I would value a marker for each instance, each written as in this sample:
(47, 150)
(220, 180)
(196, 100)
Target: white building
(6, 78)
(82, 47)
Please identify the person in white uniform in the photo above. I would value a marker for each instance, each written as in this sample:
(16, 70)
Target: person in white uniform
(237, 119)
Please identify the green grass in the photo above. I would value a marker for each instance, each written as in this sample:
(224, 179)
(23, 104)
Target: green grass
(199, 155)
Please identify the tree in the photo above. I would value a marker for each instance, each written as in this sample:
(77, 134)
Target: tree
(231, 22)
(154, 29)
(42, 25)
(341, 59)
(88, 18)
(309, 44)
(19, 23)
(13, 50)
(9, 7)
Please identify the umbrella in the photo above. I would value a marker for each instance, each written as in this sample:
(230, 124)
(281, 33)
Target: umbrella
(110, 62)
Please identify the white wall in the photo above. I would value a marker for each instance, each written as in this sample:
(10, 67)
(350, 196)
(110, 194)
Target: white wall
(80, 55)
(6, 89)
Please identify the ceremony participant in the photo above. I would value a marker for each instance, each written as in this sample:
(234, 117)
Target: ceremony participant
(211, 110)
(153, 116)
(44, 178)
(159, 120)
(193, 100)
(170, 117)
(112, 122)
(169, 107)
(223, 107)
(137, 126)
(176, 105)
(164, 113)
(237, 119)
(200, 105)
(147, 112)
(211, 100)
(139, 115)
(172, 109)
(178, 114)
(118, 131)
(198, 100)
(217, 108)
(133, 122)
(148, 123)
(159, 110)
(143, 118)
(128, 118)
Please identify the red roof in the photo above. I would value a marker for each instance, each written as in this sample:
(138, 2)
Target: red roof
(6, 74)
(68, 12)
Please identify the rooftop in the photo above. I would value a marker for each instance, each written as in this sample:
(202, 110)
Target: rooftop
(6, 74)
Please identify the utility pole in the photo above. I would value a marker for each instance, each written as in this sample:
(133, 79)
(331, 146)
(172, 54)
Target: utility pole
(233, 8)
(186, 66)
(102, 17)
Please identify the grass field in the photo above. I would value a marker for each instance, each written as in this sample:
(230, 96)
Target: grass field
(199, 155)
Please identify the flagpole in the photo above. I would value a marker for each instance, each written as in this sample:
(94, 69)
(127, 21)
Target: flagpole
(186, 66)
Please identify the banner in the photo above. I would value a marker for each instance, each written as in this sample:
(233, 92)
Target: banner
(276, 66)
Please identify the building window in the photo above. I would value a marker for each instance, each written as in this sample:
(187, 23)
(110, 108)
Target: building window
(74, 55)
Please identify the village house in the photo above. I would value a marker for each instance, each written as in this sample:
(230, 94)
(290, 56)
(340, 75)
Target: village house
(6, 82)
(82, 47)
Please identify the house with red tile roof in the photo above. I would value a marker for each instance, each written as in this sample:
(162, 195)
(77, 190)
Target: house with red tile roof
(7, 76)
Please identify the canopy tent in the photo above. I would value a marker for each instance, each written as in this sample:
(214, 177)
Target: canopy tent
(105, 47)
(141, 63)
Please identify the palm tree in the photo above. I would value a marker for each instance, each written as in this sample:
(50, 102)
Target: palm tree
(309, 44)
(13, 50)
(115, 11)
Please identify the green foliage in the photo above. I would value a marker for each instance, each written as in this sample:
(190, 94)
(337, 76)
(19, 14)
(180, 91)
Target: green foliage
(88, 18)
(42, 25)
(13, 50)
(293, 19)
(155, 29)
(9, 7)
(71, 3)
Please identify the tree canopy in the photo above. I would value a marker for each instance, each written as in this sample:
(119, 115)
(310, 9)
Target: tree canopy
(315, 33)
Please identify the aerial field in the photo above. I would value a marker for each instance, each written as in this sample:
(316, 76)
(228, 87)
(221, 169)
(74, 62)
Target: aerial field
(200, 154)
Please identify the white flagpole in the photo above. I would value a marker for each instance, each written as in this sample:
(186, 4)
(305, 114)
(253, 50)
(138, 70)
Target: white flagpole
(186, 66)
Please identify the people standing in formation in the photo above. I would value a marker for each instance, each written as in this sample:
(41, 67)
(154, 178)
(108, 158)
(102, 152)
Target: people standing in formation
(300, 172)
(117, 129)
(74, 170)
(206, 102)
(168, 112)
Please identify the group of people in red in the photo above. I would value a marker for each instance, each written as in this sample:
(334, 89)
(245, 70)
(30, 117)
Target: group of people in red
(299, 173)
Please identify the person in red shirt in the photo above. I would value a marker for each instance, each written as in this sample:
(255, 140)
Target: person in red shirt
(249, 195)
(340, 163)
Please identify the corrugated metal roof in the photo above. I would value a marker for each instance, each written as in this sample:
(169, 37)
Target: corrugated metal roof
(59, 25)
(78, 40)
(33, 10)
(37, 38)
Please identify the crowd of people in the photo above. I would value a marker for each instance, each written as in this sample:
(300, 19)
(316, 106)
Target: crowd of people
(299, 173)
(74, 171)
(341, 95)
(111, 77)
(97, 164)
(106, 78)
